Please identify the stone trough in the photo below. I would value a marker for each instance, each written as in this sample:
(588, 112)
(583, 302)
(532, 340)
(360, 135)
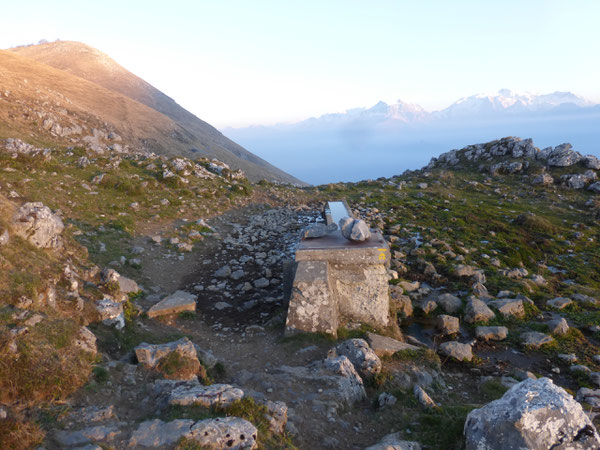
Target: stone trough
(338, 281)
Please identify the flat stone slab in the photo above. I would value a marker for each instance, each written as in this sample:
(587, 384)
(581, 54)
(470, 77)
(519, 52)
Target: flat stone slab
(177, 302)
(386, 346)
(225, 432)
(335, 248)
(536, 339)
(213, 395)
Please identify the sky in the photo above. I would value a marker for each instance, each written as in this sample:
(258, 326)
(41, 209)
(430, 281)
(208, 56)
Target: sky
(239, 63)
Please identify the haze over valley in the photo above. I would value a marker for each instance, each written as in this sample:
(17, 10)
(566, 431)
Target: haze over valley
(385, 140)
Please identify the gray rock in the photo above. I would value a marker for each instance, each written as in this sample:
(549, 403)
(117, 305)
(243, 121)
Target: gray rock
(409, 286)
(37, 224)
(594, 187)
(111, 313)
(109, 276)
(559, 302)
(87, 435)
(491, 333)
(449, 303)
(535, 339)
(127, 285)
(315, 231)
(223, 272)
(156, 433)
(351, 387)
(4, 238)
(354, 229)
(427, 305)
(261, 283)
(591, 162)
(516, 273)
(364, 359)
(579, 180)
(238, 274)
(509, 307)
(568, 358)
(558, 326)
(533, 414)
(386, 399)
(150, 355)
(447, 325)
(563, 156)
(86, 341)
(456, 350)
(423, 398)
(277, 417)
(394, 441)
(207, 396)
(386, 346)
(543, 179)
(477, 311)
(177, 302)
(224, 433)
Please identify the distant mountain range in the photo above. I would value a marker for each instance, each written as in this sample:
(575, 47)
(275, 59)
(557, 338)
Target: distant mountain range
(69, 92)
(404, 136)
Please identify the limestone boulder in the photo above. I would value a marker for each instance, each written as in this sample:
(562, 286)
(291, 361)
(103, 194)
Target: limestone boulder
(447, 325)
(151, 355)
(535, 339)
(364, 359)
(449, 303)
(354, 229)
(456, 350)
(563, 156)
(111, 313)
(387, 346)
(533, 414)
(177, 302)
(224, 433)
(207, 396)
(509, 307)
(477, 311)
(39, 225)
(394, 441)
(491, 333)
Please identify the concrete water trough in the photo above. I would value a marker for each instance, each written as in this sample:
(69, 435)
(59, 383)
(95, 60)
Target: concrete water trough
(338, 281)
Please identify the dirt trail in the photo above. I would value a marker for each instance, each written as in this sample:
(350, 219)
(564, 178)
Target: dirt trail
(245, 336)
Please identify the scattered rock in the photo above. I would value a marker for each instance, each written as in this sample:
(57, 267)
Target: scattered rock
(477, 311)
(559, 302)
(364, 359)
(447, 325)
(386, 346)
(394, 441)
(532, 414)
(456, 350)
(37, 224)
(491, 333)
(423, 398)
(449, 303)
(151, 355)
(535, 339)
(207, 396)
(177, 302)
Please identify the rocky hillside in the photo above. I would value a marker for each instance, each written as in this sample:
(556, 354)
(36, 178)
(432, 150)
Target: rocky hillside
(144, 301)
(70, 92)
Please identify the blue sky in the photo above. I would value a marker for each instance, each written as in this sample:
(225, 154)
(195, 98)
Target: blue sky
(235, 63)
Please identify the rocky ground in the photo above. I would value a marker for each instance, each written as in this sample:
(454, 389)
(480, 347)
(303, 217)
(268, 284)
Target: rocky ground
(494, 278)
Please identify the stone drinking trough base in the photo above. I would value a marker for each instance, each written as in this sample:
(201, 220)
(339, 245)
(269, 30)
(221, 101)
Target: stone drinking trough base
(338, 281)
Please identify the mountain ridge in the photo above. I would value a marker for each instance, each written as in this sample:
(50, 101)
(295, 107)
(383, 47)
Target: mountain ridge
(185, 133)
